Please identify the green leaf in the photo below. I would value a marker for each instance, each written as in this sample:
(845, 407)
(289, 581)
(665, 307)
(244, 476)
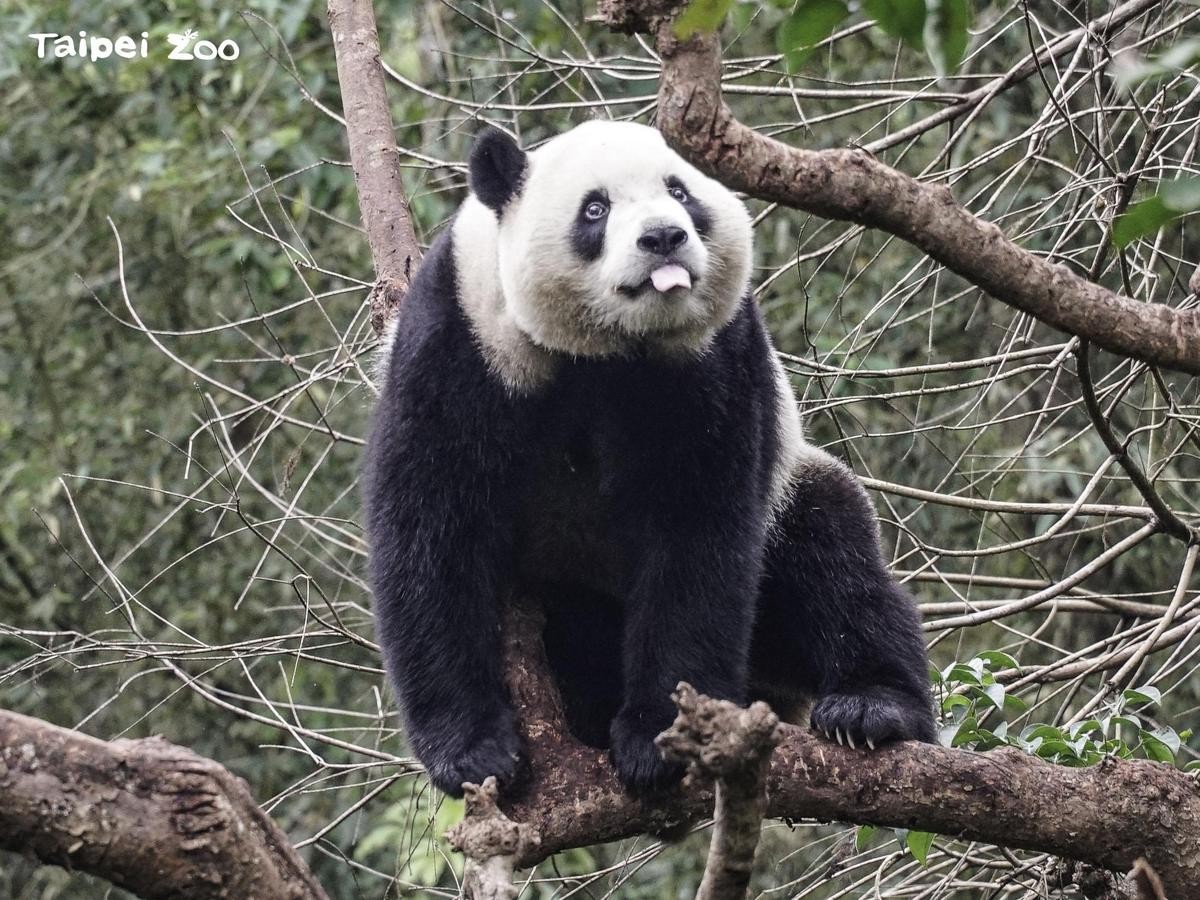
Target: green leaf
(810, 23)
(995, 693)
(1173, 200)
(903, 19)
(701, 16)
(1167, 735)
(967, 731)
(1014, 705)
(954, 700)
(1156, 749)
(863, 837)
(998, 660)
(919, 843)
(946, 33)
(1145, 694)
(964, 674)
(1046, 732)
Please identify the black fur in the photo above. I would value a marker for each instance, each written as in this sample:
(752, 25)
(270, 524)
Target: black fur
(496, 168)
(701, 217)
(631, 496)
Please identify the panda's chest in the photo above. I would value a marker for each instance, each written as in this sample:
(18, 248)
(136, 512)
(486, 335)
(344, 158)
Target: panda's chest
(573, 526)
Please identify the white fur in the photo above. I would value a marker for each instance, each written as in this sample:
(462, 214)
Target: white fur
(548, 299)
(508, 349)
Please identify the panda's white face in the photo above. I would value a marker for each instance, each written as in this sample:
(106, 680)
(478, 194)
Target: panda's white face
(611, 241)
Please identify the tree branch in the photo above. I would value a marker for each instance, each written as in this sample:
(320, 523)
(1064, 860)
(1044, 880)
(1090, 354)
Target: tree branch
(1107, 815)
(374, 155)
(491, 843)
(146, 815)
(853, 186)
(720, 741)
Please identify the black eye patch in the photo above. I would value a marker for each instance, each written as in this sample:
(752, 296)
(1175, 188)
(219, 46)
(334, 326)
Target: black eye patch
(699, 213)
(587, 232)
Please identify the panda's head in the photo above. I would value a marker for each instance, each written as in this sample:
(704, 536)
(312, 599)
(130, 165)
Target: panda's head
(607, 240)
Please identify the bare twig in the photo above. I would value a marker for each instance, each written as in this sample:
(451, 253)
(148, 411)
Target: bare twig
(1149, 886)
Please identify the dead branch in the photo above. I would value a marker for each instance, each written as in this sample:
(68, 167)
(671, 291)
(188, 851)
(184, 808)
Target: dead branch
(721, 741)
(491, 843)
(151, 817)
(374, 155)
(854, 186)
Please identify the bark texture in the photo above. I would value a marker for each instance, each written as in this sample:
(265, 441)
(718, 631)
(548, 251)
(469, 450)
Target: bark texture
(853, 186)
(149, 816)
(374, 155)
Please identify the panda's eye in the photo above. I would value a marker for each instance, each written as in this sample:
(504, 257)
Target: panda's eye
(595, 210)
(678, 193)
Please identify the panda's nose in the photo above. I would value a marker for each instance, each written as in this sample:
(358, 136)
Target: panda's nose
(661, 240)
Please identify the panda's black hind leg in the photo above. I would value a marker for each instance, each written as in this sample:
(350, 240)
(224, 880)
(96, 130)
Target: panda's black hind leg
(832, 622)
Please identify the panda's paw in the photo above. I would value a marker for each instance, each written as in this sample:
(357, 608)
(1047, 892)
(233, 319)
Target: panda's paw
(637, 759)
(497, 754)
(872, 717)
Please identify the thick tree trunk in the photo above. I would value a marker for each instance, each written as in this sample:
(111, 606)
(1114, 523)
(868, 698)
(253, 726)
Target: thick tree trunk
(146, 815)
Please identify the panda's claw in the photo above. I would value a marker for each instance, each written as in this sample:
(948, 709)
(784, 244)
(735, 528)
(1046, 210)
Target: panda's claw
(874, 716)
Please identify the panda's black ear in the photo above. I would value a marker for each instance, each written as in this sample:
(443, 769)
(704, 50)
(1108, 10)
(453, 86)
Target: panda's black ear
(497, 168)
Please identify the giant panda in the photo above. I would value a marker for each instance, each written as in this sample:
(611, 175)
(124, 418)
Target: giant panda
(580, 402)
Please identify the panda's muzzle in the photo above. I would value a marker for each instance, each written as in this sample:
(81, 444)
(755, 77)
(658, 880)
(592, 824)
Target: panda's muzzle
(670, 273)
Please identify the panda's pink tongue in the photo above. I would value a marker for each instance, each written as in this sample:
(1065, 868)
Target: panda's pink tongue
(665, 278)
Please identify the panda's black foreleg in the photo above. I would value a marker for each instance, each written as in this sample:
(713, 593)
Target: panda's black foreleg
(437, 591)
(833, 624)
(441, 474)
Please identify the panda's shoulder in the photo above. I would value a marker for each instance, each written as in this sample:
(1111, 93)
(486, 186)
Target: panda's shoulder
(743, 342)
(430, 337)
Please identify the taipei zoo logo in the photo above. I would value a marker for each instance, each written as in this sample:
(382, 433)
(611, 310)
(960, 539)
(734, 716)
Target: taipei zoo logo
(185, 46)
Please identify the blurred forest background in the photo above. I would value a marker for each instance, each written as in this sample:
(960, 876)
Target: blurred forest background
(185, 373)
